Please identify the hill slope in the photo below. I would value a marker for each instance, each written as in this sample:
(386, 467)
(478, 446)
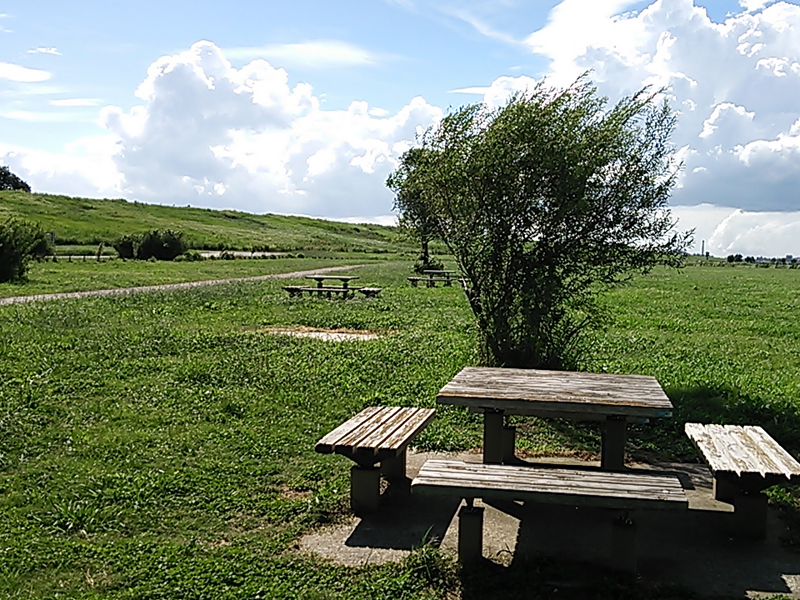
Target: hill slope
(90, 221)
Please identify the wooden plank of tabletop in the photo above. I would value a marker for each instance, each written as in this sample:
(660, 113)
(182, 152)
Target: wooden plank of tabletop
(534, 391)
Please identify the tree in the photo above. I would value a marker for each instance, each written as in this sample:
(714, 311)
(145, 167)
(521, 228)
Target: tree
(20, 241)
(543, 203)
(9, 181)
(415, 220)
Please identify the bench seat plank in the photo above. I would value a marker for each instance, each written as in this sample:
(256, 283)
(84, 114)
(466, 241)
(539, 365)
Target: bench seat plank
(370, 435)
(327, 444)
(743, 451)
(554, 486)
(377, 429)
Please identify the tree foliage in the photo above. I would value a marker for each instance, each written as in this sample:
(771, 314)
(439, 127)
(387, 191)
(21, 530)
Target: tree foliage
(20, 242)
(9, 181)
(416, 218)
(543, 203)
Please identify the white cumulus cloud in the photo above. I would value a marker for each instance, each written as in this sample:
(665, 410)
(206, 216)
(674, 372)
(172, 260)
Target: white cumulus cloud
(208, 130)
(22, 74)
(733, 84)
(45, 50)
(319, 54)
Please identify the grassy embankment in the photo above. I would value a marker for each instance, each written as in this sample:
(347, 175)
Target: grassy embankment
(161, 445)
(82, 224)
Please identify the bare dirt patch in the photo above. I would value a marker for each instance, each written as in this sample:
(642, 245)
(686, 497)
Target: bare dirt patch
(328, 335)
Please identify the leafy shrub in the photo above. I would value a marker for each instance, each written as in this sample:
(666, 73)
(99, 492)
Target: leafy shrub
(20, 241)
(125, 246)
(161, 244)
(189, 256)
(157, 244)
(431, 264)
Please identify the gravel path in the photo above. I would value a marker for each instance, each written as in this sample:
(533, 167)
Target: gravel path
(168, 286)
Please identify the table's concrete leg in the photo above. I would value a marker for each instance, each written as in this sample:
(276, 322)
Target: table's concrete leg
(493, 437)
(750, 515)
(509, 443)
(394, 469)
(612, 453)
(470, 534)
(623, 544)
(365, 489)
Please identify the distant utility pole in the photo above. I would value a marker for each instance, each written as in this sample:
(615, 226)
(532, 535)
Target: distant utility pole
(703, 251)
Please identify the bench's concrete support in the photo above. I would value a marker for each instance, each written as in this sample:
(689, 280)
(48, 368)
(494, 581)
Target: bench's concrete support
(725, 489)
(394, 469)
(750, 515)
(493, 447)
(612, 457)
(365, 489)
(623, 544)
(470, 534)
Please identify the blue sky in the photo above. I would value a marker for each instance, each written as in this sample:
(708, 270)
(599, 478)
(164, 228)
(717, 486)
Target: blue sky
(304, 107)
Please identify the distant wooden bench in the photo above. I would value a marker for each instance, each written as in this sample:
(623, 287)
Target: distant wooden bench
(431, 281)
(294, 290)
(327, 291)
(623, 491)
(376, 435)
(744, 460)
(370, 292)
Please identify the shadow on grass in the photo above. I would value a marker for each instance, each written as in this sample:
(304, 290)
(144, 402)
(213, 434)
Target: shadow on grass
(423, 519)
(563, 552)
(665, 438)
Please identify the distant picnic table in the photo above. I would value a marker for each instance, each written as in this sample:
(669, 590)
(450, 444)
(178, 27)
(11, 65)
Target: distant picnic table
(432, 276)
(344, 290)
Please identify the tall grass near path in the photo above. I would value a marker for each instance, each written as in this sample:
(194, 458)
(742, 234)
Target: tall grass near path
(161, 445)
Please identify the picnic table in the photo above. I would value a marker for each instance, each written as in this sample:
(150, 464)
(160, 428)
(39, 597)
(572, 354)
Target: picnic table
(320, 279)
(432, 276)
(344, 290)
(610, 398)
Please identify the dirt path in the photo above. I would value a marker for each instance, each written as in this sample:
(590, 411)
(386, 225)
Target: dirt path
(168, 286)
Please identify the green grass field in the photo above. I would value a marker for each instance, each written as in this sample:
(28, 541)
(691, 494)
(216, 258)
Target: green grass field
(161, 445)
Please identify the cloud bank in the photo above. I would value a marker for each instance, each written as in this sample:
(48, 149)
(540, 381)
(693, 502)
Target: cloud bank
(209, 134)
(734, 86)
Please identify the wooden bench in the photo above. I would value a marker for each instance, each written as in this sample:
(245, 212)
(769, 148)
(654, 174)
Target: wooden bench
(744, 460)
(622, 491)
(431, 281)
(370, 292)
(328, 291)
(375, 436)
(294, 290)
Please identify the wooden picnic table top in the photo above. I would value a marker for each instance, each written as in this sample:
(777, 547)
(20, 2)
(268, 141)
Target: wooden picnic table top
(339, 277)
(557, 393)
(433, 272)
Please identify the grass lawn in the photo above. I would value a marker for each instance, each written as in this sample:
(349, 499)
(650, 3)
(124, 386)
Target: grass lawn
(161, 445)
(78, 275)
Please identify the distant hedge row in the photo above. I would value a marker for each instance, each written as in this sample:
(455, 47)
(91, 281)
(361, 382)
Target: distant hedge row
(159, 244)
